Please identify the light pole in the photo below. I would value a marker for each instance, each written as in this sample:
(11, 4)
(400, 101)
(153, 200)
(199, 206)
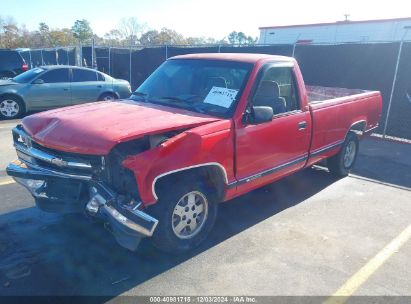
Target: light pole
(394, 81)
(295, 44)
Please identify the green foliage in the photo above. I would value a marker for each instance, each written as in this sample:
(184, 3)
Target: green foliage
(82, 30)
(128, 32)
(239, 38)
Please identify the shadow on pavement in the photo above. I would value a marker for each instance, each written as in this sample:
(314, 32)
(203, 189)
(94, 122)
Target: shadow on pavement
(48, 254)
(385, 161)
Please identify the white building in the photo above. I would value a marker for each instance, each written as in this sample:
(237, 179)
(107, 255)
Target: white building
(384, 30)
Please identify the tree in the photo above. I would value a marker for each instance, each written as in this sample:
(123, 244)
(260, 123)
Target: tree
(130, 29)
(11, 36)
(44, 34)
(149, 38)
(113, 38)
(240, 38)
(63, 37)
(82, 30)
(165, 36)
(168, 36)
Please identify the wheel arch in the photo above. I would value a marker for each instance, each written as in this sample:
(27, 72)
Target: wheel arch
(358, 127)
(213, 174)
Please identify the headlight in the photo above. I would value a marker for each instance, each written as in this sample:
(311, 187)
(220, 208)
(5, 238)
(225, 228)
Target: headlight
(31, 184)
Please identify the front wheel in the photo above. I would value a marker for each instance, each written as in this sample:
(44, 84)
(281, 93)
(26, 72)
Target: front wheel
(341, 163)
(186, 215)
(11, 107)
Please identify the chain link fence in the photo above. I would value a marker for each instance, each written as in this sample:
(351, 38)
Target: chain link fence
(369, 66)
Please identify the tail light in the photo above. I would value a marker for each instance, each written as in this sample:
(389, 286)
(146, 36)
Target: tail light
(24, 67)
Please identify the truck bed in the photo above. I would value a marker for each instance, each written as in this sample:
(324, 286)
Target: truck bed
(317, 94)
(336, 110)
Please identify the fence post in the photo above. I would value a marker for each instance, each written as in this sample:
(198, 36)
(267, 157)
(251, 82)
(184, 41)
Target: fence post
(92, 54)
(394, 81)
(42, 59)
(219, 48)
(31, 61)
(130, 65)
(80, 55)
(295, 44)
(109, 60)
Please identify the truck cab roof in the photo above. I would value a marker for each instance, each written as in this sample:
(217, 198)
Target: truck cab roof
(240, 57)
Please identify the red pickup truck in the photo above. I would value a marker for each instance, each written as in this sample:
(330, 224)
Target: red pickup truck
(202, 129)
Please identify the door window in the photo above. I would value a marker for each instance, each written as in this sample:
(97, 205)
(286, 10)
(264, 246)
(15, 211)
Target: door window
(80, 75)
(56, 75)
(277, 89)
(100, 77)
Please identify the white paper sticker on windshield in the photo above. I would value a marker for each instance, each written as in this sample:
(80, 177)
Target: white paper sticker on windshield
(222, 97)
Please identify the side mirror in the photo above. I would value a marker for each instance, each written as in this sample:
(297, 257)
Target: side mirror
(38, 81)
(259, 115)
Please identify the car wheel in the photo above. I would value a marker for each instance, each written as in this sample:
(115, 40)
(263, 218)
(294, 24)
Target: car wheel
(108, 97)
(186, 215)
(11, 107)
(341, 163)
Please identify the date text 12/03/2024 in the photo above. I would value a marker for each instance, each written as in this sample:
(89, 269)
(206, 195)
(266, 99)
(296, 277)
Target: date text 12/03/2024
(203, 299)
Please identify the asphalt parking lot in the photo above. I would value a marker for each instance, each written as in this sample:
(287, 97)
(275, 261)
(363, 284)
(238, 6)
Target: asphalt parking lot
(308, 234)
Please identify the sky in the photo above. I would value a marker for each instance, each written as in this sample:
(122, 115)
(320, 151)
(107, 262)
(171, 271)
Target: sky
(200, 18)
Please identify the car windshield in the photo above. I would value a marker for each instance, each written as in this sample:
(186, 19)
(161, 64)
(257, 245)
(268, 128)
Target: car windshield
(28, 76)
(205, 86)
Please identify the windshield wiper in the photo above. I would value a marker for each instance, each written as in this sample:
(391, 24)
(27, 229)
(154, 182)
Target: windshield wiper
(186, 102)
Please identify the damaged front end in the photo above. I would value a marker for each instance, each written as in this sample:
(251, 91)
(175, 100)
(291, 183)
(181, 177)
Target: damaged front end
(67, 182)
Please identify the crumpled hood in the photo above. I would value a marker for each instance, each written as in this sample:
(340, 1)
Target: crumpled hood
(95, 128)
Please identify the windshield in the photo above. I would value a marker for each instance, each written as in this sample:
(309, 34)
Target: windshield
(28, 76)
(205, 86)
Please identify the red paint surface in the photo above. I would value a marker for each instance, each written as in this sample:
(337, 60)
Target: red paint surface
(95, 128)
(242, 150)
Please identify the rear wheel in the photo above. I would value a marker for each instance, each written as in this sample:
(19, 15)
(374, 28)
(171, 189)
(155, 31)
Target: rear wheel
(11, 107)
(341, 163)
(108, 97)
(186, 215)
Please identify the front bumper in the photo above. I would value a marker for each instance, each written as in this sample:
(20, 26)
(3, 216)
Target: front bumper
(55, 191)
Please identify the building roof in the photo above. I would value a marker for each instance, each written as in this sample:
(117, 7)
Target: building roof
(337, 23)
(240, 57)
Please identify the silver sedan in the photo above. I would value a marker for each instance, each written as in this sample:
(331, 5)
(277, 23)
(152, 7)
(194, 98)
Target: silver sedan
(50, 87)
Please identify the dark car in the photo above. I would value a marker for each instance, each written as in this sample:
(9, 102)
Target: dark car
(48, 87)
(11, 64)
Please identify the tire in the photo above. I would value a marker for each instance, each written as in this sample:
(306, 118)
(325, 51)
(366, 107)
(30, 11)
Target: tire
(11, 107)
(174, 233)
(341, 163)
(107, 97)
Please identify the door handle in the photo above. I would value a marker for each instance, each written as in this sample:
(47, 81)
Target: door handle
(302, 125)
(99, 86)
(65, 89)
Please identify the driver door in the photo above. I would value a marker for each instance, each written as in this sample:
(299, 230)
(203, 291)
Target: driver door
(272, 149)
